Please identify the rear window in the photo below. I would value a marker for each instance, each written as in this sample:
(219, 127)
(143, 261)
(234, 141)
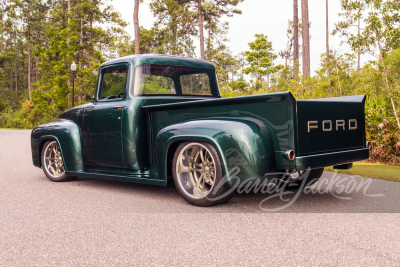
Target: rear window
(152, 79)
(195, 84)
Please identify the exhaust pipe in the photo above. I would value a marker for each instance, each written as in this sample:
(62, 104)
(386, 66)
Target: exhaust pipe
(368, 145)
(289, 154)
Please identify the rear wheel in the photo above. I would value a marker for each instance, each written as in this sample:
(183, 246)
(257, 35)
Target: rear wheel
(301, 179)
(53, 163)
(198, 175)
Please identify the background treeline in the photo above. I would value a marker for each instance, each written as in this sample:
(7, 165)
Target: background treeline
(39, 39)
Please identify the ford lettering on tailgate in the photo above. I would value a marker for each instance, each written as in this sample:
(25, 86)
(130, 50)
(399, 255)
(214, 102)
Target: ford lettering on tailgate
(329, 125)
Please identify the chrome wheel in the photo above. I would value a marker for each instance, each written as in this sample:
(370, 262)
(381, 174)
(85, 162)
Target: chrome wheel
(53, 161)
(195, 170)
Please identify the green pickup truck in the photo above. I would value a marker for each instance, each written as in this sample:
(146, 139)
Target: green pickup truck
(155, 117)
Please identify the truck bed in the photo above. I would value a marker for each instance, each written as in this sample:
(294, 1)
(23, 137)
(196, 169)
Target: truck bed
(312, 128)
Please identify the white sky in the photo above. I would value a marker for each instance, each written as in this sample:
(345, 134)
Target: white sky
(261, 16)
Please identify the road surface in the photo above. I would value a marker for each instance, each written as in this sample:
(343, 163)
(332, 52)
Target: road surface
(91, 222)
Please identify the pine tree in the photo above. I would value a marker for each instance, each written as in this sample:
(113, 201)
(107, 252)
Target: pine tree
(306, 39)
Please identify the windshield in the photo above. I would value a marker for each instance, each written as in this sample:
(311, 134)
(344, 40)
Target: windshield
(152, 79)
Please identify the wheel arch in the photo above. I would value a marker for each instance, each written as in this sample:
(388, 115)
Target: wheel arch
(68, 136)
(42, 142)
(231, 140)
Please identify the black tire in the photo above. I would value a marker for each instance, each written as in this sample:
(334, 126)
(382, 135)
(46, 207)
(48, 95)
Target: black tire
(59, 177)
(219, 192)
(306, 179)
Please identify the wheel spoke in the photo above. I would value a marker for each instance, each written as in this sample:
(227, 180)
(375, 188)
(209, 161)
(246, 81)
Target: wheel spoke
(201, 155)
(182, 168)
(52, 169)
(199, 180)
(196, 160)
(195, 163)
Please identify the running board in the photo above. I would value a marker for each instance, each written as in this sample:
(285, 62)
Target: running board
(140, 178)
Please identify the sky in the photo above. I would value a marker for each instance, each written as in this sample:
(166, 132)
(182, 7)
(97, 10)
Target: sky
(261, 17)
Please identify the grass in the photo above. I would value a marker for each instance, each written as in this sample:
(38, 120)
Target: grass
(372, 170)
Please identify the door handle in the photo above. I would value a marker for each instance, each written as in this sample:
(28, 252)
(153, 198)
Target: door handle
(118, 107)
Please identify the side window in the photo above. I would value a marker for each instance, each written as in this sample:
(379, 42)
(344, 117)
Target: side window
(195, 84)
(113, 83)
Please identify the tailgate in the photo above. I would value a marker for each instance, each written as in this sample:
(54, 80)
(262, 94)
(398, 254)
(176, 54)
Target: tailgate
(330, 124)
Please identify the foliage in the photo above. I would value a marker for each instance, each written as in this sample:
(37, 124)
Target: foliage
(44, 37)
(260, 59)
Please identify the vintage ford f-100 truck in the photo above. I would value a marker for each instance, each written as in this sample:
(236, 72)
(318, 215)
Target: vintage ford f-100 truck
(156, 117)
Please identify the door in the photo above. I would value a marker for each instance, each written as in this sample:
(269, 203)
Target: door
(102, 136)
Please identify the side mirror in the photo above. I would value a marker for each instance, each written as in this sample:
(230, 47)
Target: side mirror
(95, 72)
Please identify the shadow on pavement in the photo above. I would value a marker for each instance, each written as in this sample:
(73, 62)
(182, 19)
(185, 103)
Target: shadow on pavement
(367, 196)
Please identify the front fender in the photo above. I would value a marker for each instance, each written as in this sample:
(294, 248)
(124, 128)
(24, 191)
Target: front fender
(242, 144)
(68, 135)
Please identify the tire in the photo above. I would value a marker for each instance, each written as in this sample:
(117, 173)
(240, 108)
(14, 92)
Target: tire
(293, 183)
(200, 181)
(53, 163)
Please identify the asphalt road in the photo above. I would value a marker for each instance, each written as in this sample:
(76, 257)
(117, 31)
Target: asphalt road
(91, 222)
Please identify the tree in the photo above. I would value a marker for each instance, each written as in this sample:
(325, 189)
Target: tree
(169, 17)
(260, 59)
(137, 29)
(220, 8)
(353, 11)
(152, 41)
(287, 53)
(306, 39)
(201, 29)
(295, 40)
(327, 40)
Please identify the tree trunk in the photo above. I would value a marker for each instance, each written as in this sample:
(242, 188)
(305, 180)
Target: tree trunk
(81, 45)
(174, 35)
(91, 45)
(358, 52)
(190, 54)
(306, 39)
(16, 77)
(23, 72)
(340, 86)
(296, 40)
(29, 62)
(327, 42)
(201, 30)
(136, 24)
(69, 15)
(11, 81)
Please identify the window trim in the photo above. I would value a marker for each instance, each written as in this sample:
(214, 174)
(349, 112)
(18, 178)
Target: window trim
(127, 82)
(178, 89)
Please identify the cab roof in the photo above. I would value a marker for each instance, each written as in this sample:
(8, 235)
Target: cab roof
(137, 60)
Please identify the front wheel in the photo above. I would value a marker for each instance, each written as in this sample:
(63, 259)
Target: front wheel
(198, 175)
(53, 163)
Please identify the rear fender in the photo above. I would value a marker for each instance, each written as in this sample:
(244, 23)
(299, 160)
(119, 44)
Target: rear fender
(243, 146)
(68, 136)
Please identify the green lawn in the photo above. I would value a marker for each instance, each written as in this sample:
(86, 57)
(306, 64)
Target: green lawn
(373, 170)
